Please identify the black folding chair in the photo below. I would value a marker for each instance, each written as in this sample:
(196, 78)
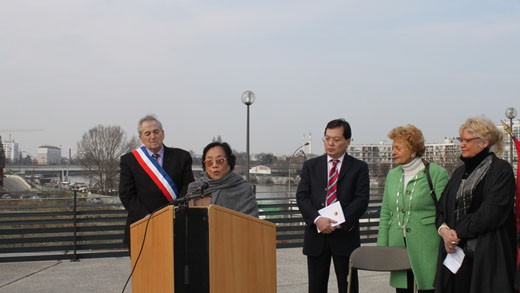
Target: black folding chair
(381, 259)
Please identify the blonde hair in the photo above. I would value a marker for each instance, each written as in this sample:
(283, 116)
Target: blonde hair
(487, 130)
(412, 136)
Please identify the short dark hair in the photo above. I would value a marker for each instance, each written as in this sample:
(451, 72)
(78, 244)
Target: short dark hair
(347, 132)
(230, 157)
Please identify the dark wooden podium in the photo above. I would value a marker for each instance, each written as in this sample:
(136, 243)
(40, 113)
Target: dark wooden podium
(227, 252)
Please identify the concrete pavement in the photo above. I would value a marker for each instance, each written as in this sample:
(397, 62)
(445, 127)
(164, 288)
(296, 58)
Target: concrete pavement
(110, 275)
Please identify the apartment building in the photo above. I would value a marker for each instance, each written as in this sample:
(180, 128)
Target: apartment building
(445, 153)
(48, 155)
(11, 150)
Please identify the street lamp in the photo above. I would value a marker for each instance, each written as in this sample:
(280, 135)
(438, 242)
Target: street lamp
(31, 158)
(289, 179)
(511, 114)
(248, 98)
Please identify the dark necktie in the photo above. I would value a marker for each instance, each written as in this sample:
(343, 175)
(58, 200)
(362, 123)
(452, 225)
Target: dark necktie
(155, 156)
(332, 184)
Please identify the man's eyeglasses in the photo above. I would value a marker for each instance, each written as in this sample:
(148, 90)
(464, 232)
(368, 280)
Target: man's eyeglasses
(218, 161)
(329, 139)
(466, 141)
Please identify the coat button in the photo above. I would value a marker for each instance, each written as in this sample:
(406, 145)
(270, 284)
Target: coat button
(403, 211)
(322, 204)
(408, 192)
(408, 229)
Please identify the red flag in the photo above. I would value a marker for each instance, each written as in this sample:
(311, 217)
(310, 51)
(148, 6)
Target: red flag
(517, 193)
(517, 196)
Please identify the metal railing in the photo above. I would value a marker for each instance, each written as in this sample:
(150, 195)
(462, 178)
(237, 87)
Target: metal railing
(62, 228)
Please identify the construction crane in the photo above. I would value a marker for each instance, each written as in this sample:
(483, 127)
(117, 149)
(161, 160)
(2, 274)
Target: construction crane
(19, 130)
(2, 152)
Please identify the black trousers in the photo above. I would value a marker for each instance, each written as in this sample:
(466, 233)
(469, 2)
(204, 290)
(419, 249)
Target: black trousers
(319, 268)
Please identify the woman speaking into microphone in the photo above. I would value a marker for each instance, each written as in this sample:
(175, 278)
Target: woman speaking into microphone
(225, 187)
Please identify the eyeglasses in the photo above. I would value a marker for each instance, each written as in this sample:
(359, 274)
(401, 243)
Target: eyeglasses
(218, 161)
(329, 139)
(466, 141)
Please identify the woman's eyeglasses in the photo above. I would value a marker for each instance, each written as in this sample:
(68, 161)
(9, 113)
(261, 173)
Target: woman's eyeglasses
(466, 141)
(218, 161)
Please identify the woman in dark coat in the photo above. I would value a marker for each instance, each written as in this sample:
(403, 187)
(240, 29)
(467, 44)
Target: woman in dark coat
(476, 214)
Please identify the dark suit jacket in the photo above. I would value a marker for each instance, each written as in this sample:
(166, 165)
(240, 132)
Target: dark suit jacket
(353, 191)
(140, 195)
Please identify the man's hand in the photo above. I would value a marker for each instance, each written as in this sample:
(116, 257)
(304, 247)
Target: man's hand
(325, 225)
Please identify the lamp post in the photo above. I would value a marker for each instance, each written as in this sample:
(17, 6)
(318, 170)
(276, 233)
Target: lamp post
(290, 158)
(511, 114)
(31, 160)
(248, 98)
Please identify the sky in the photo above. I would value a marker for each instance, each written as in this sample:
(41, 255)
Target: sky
(68, 66)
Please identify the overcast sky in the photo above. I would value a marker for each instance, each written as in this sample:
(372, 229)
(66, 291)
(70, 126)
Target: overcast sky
(67, 66)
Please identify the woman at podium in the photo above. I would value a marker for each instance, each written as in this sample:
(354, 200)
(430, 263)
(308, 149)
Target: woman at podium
(224, 187)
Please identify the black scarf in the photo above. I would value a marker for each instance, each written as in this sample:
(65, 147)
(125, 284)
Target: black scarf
(476, 169)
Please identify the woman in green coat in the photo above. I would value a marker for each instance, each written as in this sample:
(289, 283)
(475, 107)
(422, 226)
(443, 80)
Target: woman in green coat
(408, 209)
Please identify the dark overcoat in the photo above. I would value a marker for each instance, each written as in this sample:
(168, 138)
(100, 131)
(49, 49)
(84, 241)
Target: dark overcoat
(493, 224)
(138, 192)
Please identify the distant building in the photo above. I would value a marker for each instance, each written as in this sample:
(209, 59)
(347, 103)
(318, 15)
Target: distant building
(260, 170)
(372, 153)
(381, 153)
(48, 155)
(11, 150)
(445, 153)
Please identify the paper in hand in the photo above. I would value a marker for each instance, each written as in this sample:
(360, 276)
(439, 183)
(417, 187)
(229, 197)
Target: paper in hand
(333, 212)
(453, 261)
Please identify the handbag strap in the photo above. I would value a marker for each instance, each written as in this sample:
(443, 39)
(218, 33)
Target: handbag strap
(429, 179)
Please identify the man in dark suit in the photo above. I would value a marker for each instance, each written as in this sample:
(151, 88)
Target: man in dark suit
(333, 177)
(153, 175)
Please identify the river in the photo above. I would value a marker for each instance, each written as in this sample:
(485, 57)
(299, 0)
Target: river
(262, 190)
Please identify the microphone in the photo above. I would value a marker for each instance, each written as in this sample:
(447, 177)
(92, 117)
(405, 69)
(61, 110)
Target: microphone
(204, 184)
(197, 193)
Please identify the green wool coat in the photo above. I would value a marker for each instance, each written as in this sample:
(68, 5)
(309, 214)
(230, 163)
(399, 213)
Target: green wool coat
(422, 240)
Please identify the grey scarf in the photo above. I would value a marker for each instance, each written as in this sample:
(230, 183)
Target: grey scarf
(230, 191)
(467, 187)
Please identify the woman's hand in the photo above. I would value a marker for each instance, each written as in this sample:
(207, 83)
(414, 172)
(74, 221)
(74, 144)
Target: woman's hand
(450, 239)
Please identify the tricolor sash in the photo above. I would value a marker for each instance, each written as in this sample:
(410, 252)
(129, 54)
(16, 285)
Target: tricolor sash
(156, 173)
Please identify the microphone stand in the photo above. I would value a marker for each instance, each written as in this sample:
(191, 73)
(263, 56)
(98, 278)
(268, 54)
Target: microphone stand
(186, 200)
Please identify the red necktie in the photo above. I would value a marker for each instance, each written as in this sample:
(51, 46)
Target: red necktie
(333, 180)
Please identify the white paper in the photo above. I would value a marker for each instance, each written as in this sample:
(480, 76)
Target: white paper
(333, 212)
(453, 261)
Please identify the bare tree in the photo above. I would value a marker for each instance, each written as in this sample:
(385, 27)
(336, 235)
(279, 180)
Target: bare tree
(378, 172)
(99, 151)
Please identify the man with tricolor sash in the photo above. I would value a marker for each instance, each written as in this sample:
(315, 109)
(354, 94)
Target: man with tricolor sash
(153, 175)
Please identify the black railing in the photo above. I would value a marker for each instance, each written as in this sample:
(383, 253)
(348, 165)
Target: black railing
(60, 229)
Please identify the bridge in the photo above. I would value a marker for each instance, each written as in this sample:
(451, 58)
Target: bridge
(45, 174)
(49, 171)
